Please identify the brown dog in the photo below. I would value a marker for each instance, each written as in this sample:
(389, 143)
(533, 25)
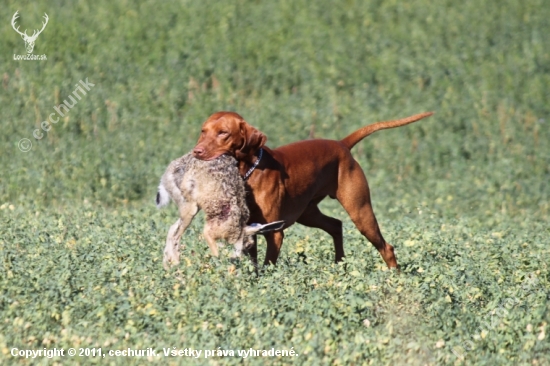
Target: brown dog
(288, 183)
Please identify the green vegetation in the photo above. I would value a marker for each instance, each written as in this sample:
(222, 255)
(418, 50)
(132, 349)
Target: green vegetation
(464, 195)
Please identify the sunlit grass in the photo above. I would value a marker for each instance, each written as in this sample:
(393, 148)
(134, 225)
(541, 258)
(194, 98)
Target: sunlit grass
(464, 195)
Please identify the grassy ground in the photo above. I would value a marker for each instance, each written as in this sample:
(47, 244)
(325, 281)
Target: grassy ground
(464, 196)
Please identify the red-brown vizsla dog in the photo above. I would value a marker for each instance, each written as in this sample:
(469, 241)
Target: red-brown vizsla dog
(288, 183)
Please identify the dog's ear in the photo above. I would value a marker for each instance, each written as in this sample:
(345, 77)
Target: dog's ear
(253, 140)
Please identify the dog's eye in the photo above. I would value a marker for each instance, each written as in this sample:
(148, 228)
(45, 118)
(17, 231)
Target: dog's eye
(221, 133)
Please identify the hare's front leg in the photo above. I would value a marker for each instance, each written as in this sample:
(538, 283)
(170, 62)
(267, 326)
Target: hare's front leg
(172, 248)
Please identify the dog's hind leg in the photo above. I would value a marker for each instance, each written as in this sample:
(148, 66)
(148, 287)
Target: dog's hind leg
(172, 248)
(353, 193)
(313, 217)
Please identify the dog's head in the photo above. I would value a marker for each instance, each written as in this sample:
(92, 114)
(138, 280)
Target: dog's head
(228, 133)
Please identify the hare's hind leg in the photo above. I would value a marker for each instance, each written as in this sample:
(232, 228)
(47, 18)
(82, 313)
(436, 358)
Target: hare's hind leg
(239, 246)
(210, 236)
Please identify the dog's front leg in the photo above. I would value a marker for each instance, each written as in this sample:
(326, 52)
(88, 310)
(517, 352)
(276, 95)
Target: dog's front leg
(274, 242)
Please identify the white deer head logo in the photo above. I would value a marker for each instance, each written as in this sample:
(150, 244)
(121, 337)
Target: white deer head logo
(29, 40)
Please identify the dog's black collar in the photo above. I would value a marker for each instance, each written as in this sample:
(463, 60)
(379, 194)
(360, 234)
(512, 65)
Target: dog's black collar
(247, 175)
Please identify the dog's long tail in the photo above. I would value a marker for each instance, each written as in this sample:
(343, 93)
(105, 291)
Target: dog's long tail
(361, 133)
(163, 198)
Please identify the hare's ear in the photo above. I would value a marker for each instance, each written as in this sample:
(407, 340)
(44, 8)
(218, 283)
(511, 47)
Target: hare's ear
(254, 229)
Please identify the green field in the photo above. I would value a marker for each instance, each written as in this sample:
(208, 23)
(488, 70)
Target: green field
(464, 196)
